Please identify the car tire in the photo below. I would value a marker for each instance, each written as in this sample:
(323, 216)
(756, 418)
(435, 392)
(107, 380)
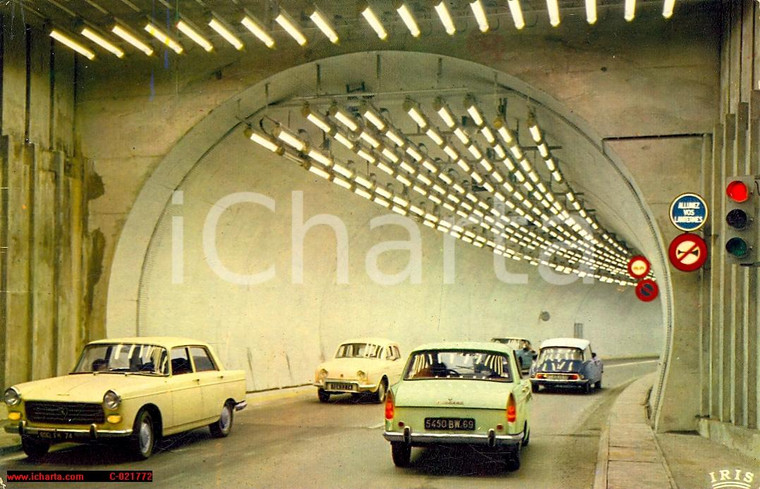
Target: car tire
(143, 439)
(382, 391)
(401, 454)
(513, 460)
(534, 387)
(599, 383)
(34, 448)
(526, 435)
(323, 396)
(223, 426)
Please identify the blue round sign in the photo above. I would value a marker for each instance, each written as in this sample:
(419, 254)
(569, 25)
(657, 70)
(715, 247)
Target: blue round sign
(688, 212)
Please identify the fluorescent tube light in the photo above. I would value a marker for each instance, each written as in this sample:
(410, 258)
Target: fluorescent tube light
(320, 19)
(126, 34)
(72, 44)
(445, 16)
(155, 31)
(223, 29)
(374, 22)
(191, 31)
(409, 21)
(287, 23)
(252, 24)
(102, 42)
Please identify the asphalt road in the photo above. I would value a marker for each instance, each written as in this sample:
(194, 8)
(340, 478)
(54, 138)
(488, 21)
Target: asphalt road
(297, 442)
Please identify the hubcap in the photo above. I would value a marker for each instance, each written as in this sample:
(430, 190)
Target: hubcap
(146, 436)
(225, 419)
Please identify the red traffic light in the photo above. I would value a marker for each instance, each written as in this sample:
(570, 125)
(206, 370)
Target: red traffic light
(737, 191)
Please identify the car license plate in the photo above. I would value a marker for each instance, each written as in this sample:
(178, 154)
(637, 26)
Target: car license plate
(55, 435)
(340, 386)
(457, 424)
(556, 376)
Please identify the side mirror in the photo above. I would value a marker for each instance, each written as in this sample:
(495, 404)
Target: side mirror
(534, 355)
(593, 355)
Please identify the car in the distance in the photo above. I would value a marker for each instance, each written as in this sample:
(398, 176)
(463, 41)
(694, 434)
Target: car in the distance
(567, 362)
(523, 348)
(134, 390)
(459, 393)
(360, 366)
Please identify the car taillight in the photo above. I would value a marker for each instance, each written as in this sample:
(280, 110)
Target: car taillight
(389, 407)
(511, 409)
(540, 376)
(574, 377)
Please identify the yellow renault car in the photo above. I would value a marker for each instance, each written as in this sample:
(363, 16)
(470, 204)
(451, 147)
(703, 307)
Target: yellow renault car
(131, 389)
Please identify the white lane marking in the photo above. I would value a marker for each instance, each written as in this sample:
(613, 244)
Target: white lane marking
(630, 363)
(377, 426)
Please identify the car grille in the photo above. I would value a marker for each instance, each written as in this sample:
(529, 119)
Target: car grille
(64, 412)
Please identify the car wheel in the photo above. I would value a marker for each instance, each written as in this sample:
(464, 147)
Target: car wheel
(534, 387)
(599, 383)
(513, 460)
(143, 436)
(526, 435)
(323, 396)
(382, 391)
(401, 453)
(34, 448)
(222, 427)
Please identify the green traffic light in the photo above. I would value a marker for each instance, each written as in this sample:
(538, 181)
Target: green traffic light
(737, 247)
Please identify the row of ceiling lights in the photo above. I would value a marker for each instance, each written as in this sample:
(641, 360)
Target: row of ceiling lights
(291, 26)
(529, 222)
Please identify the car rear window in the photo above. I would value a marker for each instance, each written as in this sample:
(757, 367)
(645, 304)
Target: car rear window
(560, 353)
(458, 364)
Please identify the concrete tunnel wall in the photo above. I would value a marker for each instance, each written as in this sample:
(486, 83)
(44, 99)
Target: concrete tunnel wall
(622, 82)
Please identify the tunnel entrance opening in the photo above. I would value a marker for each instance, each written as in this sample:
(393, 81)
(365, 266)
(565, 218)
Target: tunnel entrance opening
(303, 322)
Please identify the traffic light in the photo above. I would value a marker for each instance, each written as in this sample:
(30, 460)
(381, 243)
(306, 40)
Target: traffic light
(740, 210)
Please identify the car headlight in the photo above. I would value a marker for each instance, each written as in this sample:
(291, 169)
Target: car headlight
(321, 375)
(112, 400)
(12, 397)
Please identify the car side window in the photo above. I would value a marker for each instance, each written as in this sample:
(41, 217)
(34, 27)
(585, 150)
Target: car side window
(202, 359)
(518, 362)
(181, 361)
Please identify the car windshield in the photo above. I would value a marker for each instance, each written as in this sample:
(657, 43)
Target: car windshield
(514, 343)
(560, 353)
(123, 357)
(358, 350)
(458, 364)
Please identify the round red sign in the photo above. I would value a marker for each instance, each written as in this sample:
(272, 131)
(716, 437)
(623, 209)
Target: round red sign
(647, 290)
(638, 267)
(687, 252)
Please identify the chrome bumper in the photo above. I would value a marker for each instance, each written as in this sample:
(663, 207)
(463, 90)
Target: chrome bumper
(559, 381)
(490, 439)
(65, 434)
(357, 387)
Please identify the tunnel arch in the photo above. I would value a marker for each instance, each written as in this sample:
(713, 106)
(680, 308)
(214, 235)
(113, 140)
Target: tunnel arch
(393, 71)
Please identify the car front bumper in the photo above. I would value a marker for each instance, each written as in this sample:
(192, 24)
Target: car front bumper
(490, 439)
(91, 433)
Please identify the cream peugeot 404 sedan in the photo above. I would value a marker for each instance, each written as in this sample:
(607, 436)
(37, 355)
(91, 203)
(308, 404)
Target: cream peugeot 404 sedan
(131, 389)
(360, 366)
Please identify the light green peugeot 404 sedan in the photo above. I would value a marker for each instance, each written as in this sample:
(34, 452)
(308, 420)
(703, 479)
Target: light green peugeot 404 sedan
(462, 393)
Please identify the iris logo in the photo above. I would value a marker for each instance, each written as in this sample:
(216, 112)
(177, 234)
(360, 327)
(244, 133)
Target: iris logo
(731, 479)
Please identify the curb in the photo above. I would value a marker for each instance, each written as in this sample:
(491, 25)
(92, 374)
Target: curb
(628, 447)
